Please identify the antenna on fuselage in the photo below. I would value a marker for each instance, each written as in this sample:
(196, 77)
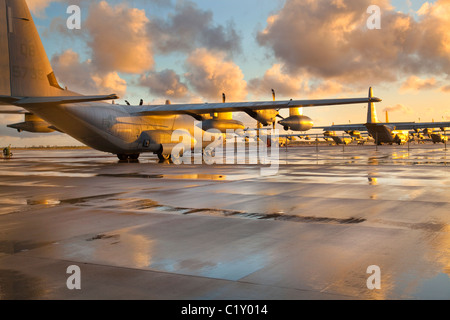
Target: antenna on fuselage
(127, 102)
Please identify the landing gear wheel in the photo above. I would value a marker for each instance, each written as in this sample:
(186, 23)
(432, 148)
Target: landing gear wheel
(164, 157)
(126, 157)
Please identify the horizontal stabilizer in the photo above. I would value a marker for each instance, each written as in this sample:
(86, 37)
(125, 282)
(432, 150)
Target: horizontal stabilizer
(12, 110)
(64, 100)
(7, 100)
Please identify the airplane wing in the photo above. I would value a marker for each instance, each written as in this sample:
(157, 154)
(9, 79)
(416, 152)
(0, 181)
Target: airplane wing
(393, 125)
(202, 108)
(419, 125)
(54, 100)
(300, 135)
(343, 127)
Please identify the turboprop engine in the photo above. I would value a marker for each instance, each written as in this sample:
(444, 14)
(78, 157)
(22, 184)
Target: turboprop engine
(264, 117)
(32, 124)
(296, 121)
(222, 122)
(427, 131)
(354, 133)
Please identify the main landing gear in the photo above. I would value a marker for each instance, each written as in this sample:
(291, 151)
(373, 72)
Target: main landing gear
(170, 158)
(128, 157)
(164, 157)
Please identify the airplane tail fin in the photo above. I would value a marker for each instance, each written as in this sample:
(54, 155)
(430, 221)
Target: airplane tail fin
(25, 69)
(371, 111)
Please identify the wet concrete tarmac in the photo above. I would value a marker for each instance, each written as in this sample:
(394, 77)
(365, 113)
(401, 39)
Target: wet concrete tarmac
(152, 230)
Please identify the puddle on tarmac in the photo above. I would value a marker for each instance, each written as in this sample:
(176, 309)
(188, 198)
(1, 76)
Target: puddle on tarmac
(141, 205)
(83, 200)
(435, 288)
(43, 202)
(46, 174)
(172, 176)
(261, 216)
(12, 247)
(15, 285)
(104, 236)
(131, 175)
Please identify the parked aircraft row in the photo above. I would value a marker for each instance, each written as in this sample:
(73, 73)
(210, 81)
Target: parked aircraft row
(388, 132)
(27, 81)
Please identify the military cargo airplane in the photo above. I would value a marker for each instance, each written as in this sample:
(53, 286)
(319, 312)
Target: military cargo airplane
(387, 132)
(27, 81)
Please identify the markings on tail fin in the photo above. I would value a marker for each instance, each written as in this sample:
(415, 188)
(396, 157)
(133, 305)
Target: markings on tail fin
(30, 72)
(5, 79)
(10, 20)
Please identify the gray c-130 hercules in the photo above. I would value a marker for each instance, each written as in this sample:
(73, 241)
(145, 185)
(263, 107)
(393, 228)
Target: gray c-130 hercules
(387, 132)
(27, 81)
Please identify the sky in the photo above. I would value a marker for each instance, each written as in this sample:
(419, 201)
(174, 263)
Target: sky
(193, 50)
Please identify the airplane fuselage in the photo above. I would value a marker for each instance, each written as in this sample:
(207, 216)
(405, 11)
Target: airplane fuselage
(112, 128)
(384, 134)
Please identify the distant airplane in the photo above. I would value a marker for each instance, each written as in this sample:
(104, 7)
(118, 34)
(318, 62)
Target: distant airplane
(439, 137)
(337, 139)
(387, 132)
(28, 81)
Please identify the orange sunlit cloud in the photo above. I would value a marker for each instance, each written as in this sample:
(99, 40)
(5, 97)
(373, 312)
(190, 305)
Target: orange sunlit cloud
(414, 83)
(331, 40)
(398, 108)
(119, 40)
(37, 7)
(211, 74)
(289, 86)
(82, 77)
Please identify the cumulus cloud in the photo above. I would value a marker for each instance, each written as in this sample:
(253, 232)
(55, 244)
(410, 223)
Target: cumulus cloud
(274, 78)
(164, 84)
(292, 86)
(110, 82)
(123, 40)
(331, 40)
(118, 38)
(398, 108)
(83, 78)
(210, 74)
(38, 7)
(414, 83)
(189, 28)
